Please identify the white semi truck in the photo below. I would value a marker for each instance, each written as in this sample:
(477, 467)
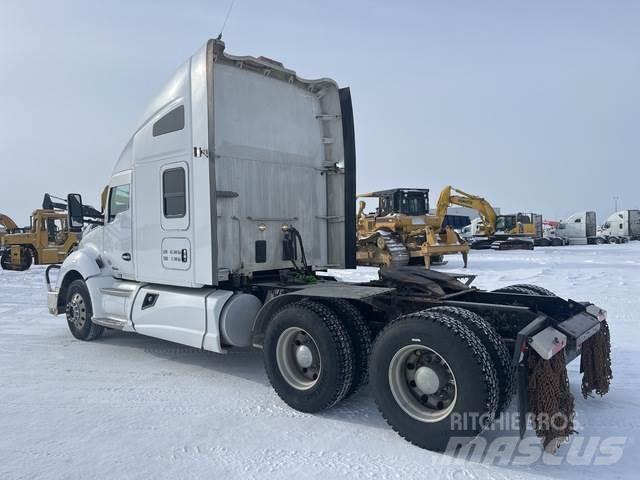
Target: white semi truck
(578, 229)
(235, 189)
(621, 227)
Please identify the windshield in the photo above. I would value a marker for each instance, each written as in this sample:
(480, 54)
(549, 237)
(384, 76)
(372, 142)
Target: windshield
(506, 223)
(413, 204)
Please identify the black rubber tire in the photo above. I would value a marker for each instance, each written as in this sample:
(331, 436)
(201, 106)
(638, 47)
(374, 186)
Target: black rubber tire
(600, 241)
(526, 289)
(5, 260)
(335, 349)
(557, 242)
(496, 347)
(514, 289)
(27, 260)
(89, 330)
(361, 340)
(475, 376)
(437, 260)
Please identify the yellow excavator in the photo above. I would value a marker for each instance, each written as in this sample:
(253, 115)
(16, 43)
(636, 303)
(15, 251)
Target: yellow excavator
(499, 232)
(401, 231)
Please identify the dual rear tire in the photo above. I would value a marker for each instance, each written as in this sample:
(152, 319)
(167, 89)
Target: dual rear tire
(436, 382)
(440, 374)
(526, 289)
(316, 354)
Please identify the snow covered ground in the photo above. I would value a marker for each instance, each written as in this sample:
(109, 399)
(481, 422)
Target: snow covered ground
(128, 406)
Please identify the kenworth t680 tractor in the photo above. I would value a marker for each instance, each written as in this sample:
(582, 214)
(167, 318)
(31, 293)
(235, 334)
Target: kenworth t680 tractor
(237, 187)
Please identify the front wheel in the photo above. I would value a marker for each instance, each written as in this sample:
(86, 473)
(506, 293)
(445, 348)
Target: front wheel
(26, 260)
(79, 312)
(434, 380)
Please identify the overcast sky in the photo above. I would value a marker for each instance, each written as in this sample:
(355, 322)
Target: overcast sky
(532, 104)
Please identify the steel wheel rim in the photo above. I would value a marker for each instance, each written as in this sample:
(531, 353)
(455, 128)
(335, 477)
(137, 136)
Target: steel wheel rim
(77, 311)
(414, 367)
(298, 358)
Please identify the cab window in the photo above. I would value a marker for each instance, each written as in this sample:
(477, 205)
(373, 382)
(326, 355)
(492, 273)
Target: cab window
(118, 200)
(414, 205)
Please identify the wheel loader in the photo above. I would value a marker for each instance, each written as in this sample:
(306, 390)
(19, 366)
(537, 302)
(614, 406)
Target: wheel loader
(401, 231)
(47, 240)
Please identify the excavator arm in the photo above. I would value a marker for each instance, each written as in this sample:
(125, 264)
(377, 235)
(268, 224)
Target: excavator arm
(7, 222)
(453, 196)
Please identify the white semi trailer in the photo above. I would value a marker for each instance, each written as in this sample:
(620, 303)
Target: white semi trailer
(621, 227)
(237, 186)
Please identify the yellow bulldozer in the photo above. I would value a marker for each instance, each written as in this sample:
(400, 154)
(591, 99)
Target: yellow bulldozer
(401, 231)
(499, 232)
(47, 240)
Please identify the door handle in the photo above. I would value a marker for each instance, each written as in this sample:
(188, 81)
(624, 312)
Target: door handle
(126, 257)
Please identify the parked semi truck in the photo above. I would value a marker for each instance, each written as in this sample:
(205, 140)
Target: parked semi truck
(236, 188)
(578, 229)
(620, 227)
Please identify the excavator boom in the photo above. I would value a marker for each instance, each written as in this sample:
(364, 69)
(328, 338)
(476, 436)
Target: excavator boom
(7, 222)
(464, 199)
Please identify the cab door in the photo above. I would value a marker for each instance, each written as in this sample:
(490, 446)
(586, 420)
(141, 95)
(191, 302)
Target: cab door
(118, 240)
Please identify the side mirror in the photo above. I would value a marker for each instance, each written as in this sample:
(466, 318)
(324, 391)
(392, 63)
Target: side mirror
(75, 212)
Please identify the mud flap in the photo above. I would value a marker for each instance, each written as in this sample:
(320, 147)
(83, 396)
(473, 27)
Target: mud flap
(595, 363)
(550, 399)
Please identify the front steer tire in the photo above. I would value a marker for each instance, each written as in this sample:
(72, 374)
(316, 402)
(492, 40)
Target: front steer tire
(475, 383)
(79, 312)
(316, 377)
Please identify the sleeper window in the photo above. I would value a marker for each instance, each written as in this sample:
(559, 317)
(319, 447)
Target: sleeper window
(174, 193)
(171, 122)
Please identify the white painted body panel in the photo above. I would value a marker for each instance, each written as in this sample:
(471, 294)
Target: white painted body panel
(117, 234)
(115, 307)
(181, 315)
(152, 155)
(200, 174)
